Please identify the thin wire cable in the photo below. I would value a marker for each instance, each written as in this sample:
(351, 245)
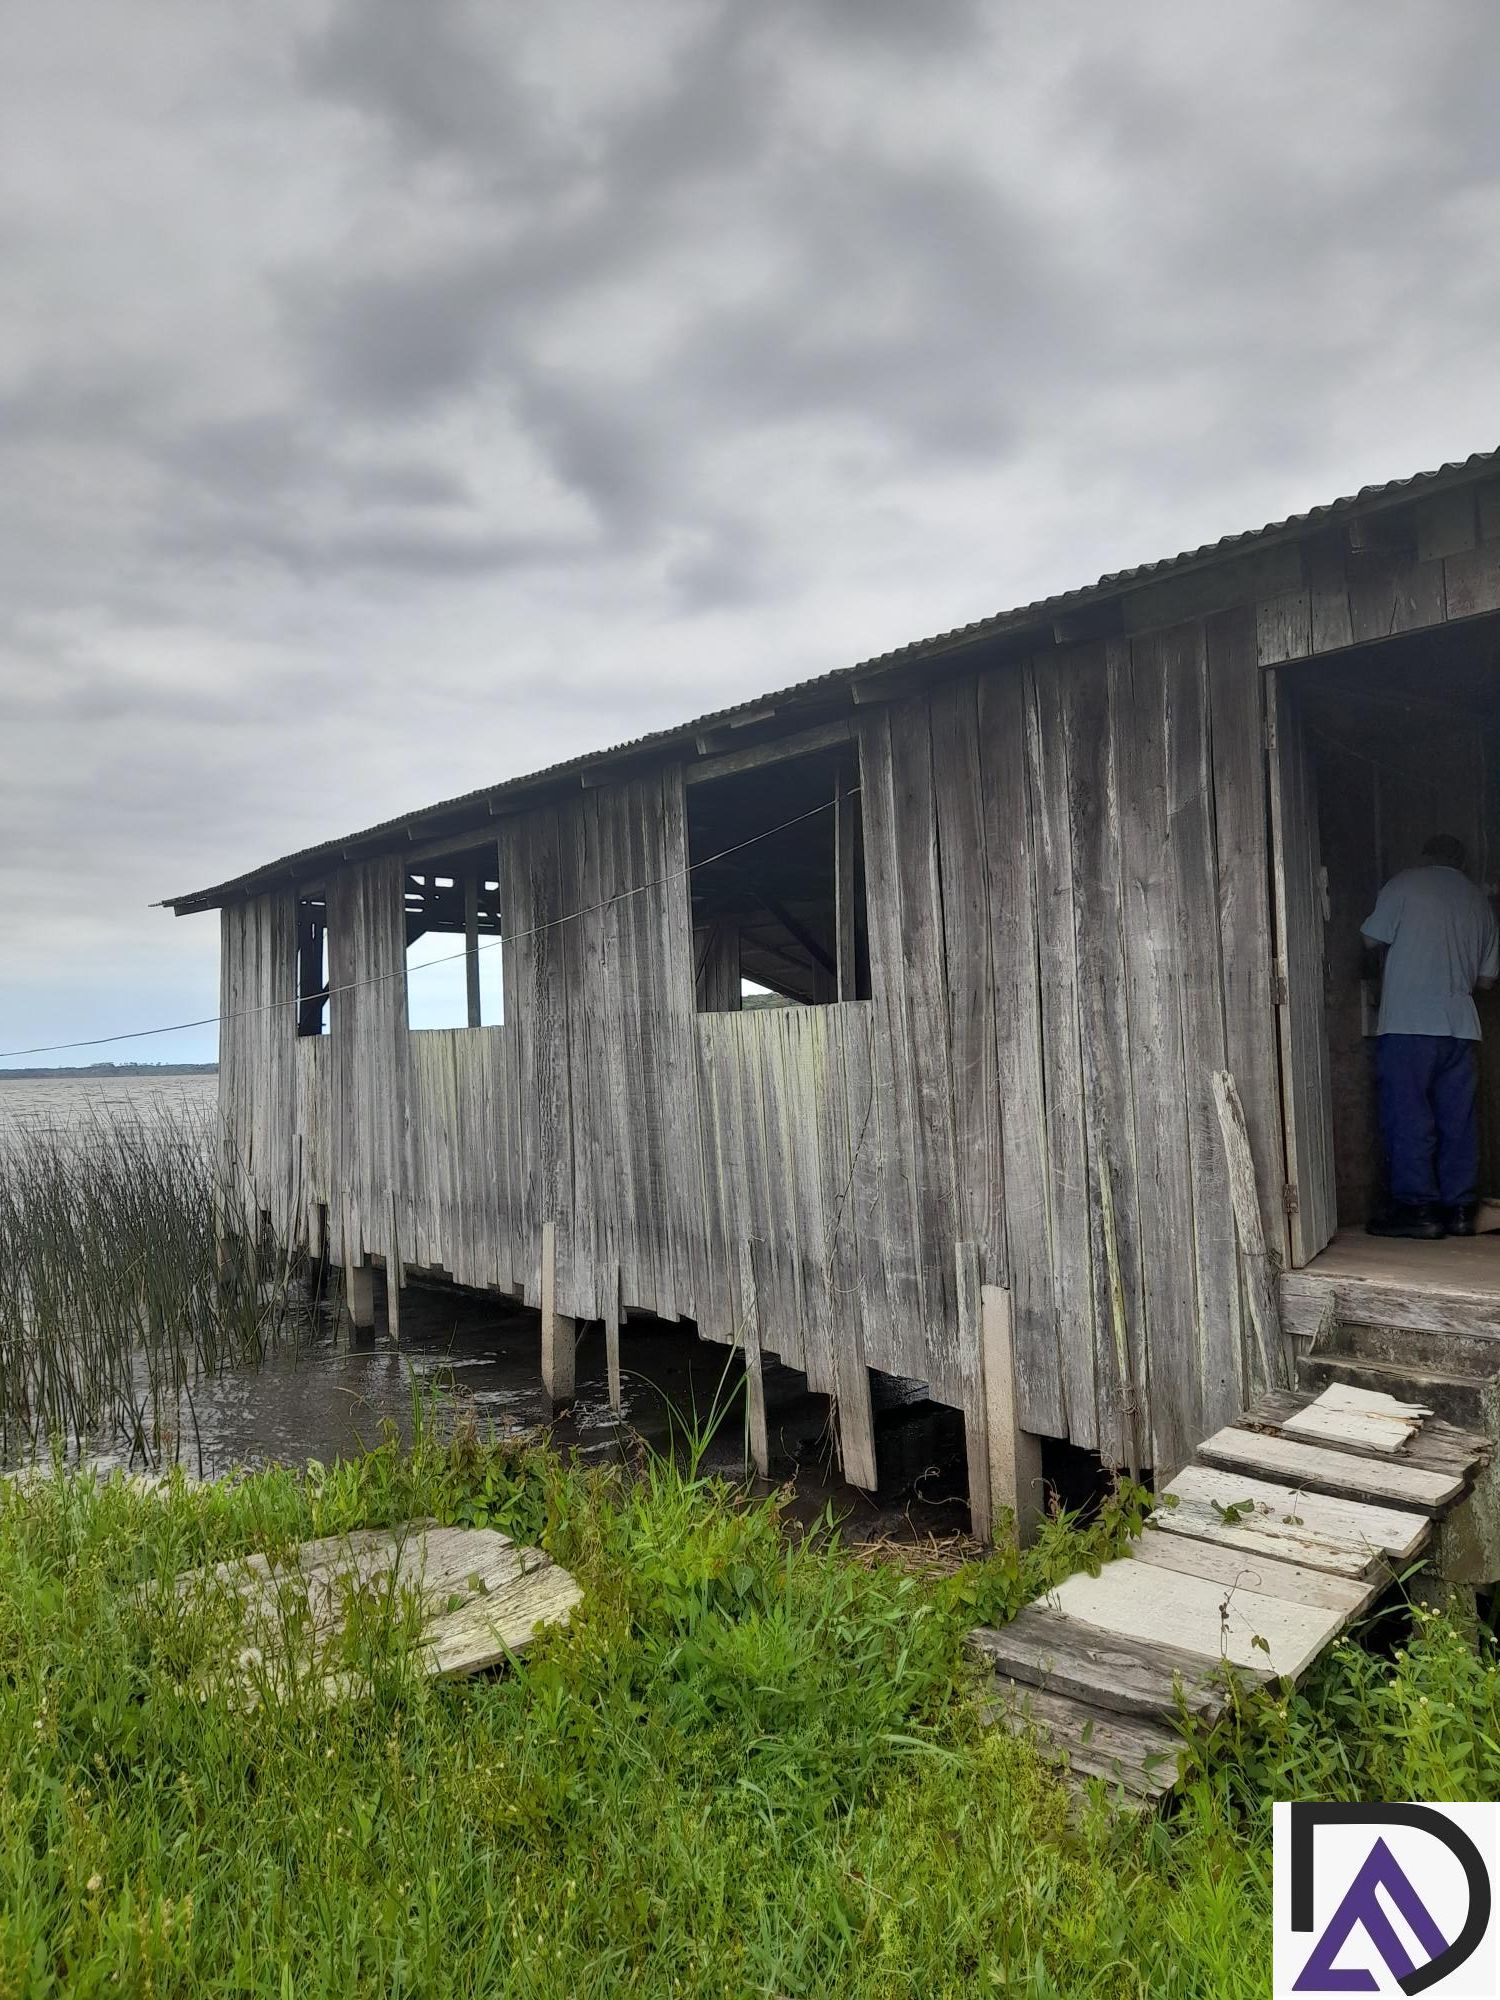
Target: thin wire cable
(448, 958)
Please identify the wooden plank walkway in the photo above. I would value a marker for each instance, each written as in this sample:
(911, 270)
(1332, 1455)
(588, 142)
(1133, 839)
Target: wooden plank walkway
(1284, 1528)
(480, 1598)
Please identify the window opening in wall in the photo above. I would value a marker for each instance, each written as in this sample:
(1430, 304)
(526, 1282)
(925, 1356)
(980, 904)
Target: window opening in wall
(780, 919)
(453, 942)
(312, 966)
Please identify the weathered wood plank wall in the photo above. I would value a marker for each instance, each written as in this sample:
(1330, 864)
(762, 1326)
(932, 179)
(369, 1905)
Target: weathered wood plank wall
(1070, 931)
(1032, 1074)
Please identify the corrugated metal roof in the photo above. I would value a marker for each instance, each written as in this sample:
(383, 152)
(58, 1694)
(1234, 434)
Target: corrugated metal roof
(309, 859)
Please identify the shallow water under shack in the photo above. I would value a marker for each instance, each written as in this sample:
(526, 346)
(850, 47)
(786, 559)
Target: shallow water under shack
(464, 1357)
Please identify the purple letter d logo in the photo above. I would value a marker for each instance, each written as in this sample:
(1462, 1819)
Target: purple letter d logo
(1361, 1909)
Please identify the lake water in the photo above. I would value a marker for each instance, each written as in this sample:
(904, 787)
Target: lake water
(68, 1100)
(339, 1391)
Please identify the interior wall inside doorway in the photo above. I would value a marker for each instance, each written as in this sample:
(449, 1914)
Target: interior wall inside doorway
(1406, 742)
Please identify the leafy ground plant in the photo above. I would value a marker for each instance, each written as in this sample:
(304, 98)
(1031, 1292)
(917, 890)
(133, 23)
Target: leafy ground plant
(749, 1766)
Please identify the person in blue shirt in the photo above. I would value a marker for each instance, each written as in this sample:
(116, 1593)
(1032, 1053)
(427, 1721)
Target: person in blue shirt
(1439, 938)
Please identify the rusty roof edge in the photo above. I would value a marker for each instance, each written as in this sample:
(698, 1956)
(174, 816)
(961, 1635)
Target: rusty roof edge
(1115, 583)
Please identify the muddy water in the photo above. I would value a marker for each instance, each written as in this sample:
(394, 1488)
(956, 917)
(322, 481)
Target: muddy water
(483, 1355)
(342, 1391)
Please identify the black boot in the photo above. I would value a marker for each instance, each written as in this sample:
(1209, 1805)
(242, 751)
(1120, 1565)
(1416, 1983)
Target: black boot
(1425, 1223)
(1462, 1221)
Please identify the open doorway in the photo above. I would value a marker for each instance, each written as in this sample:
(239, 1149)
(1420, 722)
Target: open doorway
(1400, 742)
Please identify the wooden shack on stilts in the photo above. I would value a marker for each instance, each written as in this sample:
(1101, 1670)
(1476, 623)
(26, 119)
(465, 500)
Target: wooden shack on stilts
(1068, 1092)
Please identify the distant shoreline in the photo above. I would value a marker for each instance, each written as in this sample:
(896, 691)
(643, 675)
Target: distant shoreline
(107, 1070)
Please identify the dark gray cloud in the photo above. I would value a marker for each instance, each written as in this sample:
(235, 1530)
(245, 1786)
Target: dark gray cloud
(396, 397)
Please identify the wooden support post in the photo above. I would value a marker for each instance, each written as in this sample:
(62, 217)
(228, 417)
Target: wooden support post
(221, 1235)
(471, 946)
(359, 1294)
(1015, 1455)
(558, 1333)
(844, 805)
(1257, 1270)
(394, 1274)
(612, 1317)
(755, 1383)
(976, 1416)
(856, 1419)
(322, 1251)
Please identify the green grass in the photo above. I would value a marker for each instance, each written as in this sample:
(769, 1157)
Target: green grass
(748, 1767)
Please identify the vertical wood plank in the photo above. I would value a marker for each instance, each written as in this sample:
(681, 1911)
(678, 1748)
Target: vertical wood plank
(967, 1290)
(1307, 1091)
(755, 1385)
(1284, 628)
(1118, 1306)
(1328, 591)
(558, 1332)
(1259, 1273)
(845, 809)
(921, 996)
(1067, 1146)
(1015, 1455)
(1158, 1080)
(1391, 592)
(1471, 581)
(471, 945)
(967, 900)
(1003, 705)
(612, 1342)
(359, 1294)
(1195, 889)
(892, 1112)
(1236, 694)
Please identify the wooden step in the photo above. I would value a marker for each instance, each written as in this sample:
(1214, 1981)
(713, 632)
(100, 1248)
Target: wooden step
(1455, 1395)
(1360, 1420)
(1309, 1300)
(1270, 1518)
(1127, 1675)
(1238, 1623)
(1260, 1554)
(1235, 1569)
(1140, 1759)
(1315, 1468)
(1439, 1445)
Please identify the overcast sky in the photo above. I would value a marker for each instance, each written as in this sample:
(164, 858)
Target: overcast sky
(396, 395)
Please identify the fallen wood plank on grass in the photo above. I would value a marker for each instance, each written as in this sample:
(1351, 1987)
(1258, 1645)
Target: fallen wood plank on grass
(464, 1599)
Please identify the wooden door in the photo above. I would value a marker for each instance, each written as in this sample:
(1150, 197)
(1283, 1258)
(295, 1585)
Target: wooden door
(1301, 892)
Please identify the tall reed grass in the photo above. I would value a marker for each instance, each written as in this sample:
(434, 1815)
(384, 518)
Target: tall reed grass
(130, 1269)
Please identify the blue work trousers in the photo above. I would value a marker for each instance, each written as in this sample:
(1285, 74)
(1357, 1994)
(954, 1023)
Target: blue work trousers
(1429, 1118)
